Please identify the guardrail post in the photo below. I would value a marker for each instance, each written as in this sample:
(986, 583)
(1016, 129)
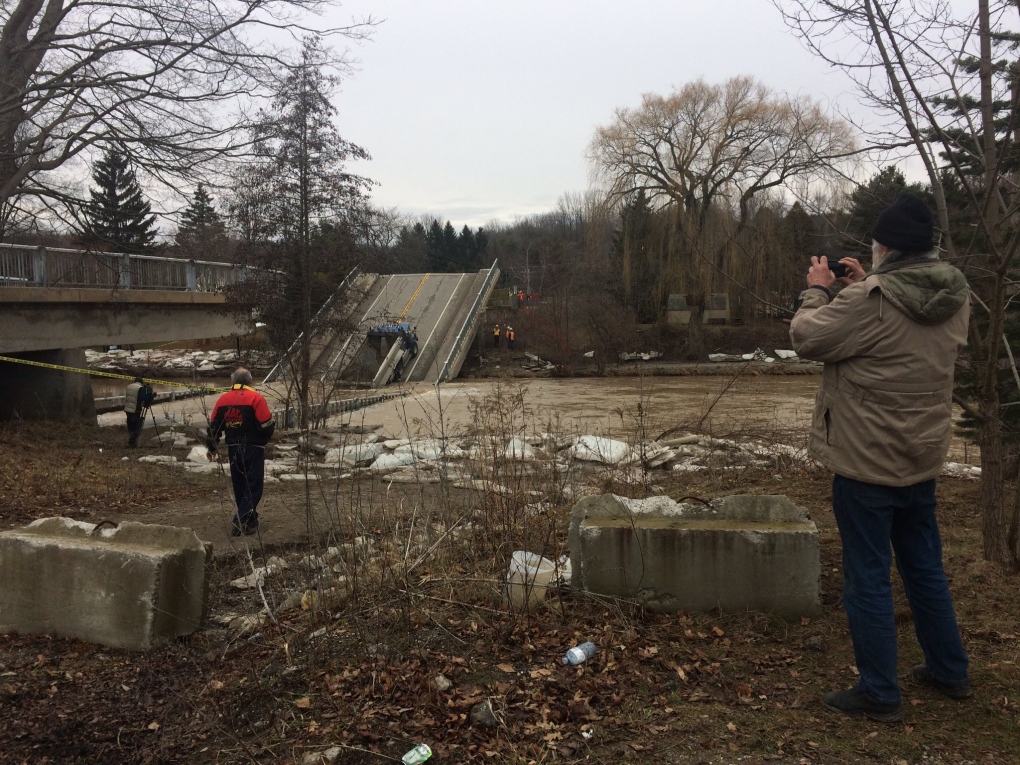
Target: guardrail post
(192, 276)
(125, 272)
(39, 266)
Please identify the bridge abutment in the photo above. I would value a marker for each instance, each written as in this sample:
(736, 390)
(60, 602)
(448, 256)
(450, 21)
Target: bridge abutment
(30, 392)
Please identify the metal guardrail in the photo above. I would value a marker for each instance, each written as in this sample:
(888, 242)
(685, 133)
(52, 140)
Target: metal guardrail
(27, 266)
(469, 323)
(320, 316)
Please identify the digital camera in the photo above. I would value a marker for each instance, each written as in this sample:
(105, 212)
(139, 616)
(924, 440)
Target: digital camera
(839, 269)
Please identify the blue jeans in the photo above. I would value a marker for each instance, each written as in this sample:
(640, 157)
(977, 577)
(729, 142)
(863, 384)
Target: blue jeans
(869, 518)
(247, 473)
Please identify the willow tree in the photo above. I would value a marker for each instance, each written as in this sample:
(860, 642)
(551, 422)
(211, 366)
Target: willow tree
(704, 150)
(940, 75)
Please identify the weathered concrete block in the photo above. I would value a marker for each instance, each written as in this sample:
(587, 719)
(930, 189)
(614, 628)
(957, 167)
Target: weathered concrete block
(133, 586)
(737, 553)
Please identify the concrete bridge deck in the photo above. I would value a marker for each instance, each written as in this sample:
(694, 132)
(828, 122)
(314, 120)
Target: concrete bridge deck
(52, 298)
(443, 309)
(54, 302)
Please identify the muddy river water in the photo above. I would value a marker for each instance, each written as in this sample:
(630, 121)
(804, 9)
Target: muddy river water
(771, 406)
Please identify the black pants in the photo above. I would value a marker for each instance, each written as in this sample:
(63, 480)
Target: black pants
(135, 421)
(247, 473)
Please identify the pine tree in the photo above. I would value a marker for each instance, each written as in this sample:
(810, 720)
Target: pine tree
(299, 202)
(450, 248)
(869, 199)
(636, 257)
(410, 253)
(201, 234)
(300, 176)
(465, 249)
(802, 241)
(118, 217)
(435, 254)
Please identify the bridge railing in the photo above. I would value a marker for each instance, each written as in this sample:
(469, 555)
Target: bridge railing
(467, 329)
(320, 316)
(27, 266)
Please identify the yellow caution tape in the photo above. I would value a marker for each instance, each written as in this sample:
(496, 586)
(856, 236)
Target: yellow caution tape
(114, 375)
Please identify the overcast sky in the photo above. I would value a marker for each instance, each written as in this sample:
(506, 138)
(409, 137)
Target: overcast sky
(475, 110)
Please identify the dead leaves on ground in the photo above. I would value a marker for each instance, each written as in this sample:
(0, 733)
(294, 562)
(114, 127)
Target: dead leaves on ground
(636, 686)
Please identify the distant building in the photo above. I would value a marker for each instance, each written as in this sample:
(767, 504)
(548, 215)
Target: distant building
(717, 309)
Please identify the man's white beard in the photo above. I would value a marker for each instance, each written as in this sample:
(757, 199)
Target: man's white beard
(878, 252)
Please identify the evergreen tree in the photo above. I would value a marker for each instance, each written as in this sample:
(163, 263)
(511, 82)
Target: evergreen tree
(964, 185)
(435, 254)
(480, 252)
(450, 248)
(410, 253)
(118, 217)
(301, 176)
(298, 203)
(869, 199)
(201, 234)
(635, 254)
(465, 249)
(802, 241)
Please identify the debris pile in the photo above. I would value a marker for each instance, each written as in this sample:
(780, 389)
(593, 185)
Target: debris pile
(649, 356)
(758, 355)
(533, 363)
(467, 462)
(211, 362)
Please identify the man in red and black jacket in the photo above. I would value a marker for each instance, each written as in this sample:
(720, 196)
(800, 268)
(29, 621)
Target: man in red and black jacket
(243, 415)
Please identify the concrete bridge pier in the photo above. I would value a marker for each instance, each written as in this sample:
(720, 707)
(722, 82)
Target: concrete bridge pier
(38, 393)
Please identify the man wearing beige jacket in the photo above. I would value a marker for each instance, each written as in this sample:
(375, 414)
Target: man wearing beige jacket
(882, 424)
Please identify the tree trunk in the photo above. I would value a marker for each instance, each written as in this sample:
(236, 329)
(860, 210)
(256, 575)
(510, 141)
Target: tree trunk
(992, 505)
(1013, 538)
(696, 331)
(999, 539)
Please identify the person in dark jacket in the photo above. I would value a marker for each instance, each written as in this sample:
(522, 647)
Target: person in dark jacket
(243, 417)
(882, 424)
(137, 399)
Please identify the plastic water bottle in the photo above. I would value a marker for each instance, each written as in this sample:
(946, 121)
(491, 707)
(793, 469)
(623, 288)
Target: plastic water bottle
(580, 653)
(417, 755)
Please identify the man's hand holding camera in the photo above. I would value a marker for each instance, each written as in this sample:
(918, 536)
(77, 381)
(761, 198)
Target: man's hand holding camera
(825, 272)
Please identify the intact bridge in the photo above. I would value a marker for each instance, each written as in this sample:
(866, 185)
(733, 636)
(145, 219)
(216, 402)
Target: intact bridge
(55, 302)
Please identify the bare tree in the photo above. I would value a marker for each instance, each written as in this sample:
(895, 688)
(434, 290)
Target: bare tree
(938, 77)
(163, 81)
(707, 148)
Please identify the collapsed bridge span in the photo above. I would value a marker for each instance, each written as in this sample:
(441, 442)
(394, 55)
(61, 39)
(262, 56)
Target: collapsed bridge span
(396, 327)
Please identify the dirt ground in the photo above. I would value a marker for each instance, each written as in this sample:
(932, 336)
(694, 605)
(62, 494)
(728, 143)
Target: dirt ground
(617, 408)
(778, 407)
(360, 675)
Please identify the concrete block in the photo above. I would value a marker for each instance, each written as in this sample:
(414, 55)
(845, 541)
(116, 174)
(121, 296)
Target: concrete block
(132, 586)
(734, 554)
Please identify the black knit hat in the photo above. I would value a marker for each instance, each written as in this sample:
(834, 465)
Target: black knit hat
(907, 225)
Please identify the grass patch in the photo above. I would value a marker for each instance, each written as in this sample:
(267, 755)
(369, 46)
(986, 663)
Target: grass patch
(53, 468)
